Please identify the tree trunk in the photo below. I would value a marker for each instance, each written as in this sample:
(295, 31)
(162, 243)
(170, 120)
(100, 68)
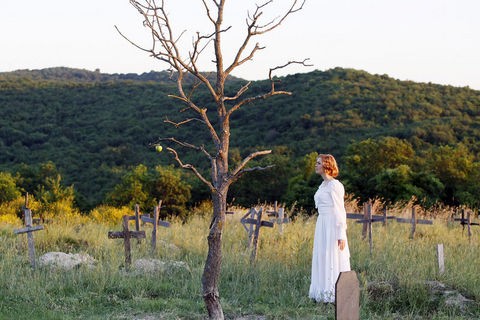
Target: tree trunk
(211, 273)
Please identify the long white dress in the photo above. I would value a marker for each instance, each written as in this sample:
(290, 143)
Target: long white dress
(328, 260)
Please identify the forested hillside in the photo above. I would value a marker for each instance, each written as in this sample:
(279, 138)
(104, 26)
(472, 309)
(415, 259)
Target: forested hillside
(93, 126)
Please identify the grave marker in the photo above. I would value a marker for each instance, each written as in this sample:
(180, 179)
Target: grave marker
(255, 225)
(155, 222)
(467, 222)
(126, 234)
(368, 218)
(414, 221)
(280, 219)
(440, 258)
(29, 229)
(347, 296)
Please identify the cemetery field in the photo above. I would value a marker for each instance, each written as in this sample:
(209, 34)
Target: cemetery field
(399, 278)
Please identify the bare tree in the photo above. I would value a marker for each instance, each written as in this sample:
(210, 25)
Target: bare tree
(165, 47)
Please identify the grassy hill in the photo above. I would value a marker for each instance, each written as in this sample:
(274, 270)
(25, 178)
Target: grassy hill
(93, 125)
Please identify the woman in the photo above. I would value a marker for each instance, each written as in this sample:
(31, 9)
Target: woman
(330, 247)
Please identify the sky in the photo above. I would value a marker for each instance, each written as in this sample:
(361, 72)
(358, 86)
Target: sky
(434, 41)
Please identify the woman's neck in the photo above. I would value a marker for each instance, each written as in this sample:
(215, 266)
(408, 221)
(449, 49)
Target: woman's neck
(327, 177)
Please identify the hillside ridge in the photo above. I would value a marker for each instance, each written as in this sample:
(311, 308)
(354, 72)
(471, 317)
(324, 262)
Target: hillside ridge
(94, 125)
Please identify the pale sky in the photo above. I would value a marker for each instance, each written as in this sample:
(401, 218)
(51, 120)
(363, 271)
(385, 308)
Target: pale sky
(434, 41)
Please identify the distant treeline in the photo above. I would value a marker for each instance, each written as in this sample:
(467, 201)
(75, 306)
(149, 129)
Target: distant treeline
(393, 139)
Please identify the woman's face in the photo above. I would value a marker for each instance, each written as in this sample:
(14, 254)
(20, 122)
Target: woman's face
(319, 166)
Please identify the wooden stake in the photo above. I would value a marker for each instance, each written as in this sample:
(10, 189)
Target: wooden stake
(414, 223)
(440, 258)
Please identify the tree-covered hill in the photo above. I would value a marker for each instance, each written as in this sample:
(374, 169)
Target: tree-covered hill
(93, 125)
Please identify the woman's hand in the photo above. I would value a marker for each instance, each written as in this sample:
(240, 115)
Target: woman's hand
(341, 244)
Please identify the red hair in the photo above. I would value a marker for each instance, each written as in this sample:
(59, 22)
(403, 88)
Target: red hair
(329, 164)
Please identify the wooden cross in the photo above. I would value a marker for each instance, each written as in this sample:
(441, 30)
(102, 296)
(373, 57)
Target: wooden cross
(155, 222)
(126, 234)
(255, 225)
(368, 218)
(414, 221)
(467, 222)
(279, 215)
(29, 229)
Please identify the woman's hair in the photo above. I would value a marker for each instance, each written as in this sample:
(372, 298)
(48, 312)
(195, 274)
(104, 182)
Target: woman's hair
(329, 164)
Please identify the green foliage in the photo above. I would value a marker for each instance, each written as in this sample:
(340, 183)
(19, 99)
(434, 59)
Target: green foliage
(167, 184)
(374, 161)
(429, 188)
(109, 215)
(132, 189)
(303, 186)
(267, 185)
(396, 185)
(8, 188)
(44, 182)
(94, 125)
(453, 166)
(146, 188)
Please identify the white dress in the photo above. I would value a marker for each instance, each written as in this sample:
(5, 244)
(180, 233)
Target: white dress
(328, 260)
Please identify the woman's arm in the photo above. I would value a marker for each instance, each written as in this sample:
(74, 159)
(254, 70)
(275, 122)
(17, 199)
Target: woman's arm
(338, 196)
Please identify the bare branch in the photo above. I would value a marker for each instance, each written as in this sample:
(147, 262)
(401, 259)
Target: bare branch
(269, 26)
(203, 115)
(188, 145)
(156, 19)
(242, 172)
(257, 168)
(207, 10)
(304, 63)
(239, 92)
(242, 165)
(254, 29)
(181, 123)
(131, 42)
(192, 168)
(272, 92)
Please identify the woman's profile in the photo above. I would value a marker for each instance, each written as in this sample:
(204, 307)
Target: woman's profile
(331, 254)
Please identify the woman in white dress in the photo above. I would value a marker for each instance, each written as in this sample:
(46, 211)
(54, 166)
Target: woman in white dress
(331, 254)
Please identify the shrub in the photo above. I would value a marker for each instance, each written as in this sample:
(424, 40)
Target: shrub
(108, 214)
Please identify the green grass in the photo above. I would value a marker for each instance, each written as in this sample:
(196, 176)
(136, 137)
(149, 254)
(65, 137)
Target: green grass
(276, 287)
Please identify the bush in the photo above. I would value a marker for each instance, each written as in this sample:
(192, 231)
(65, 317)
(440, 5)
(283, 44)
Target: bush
(108, 214)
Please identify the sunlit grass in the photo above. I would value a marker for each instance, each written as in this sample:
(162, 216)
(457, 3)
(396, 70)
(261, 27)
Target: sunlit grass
(275, 286)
